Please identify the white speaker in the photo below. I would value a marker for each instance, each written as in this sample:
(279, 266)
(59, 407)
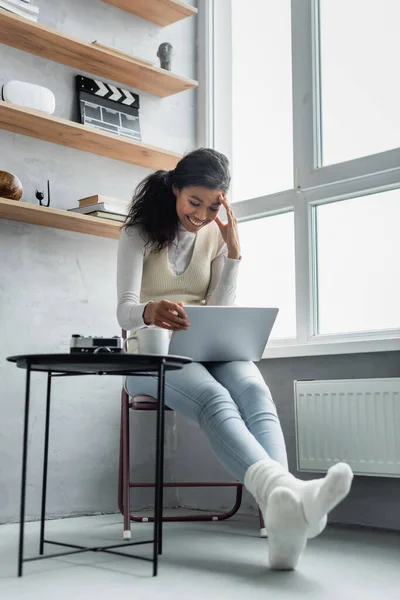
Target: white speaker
(29, 95)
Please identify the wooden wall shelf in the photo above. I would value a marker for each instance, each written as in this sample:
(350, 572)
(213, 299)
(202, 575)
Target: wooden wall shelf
(57, 218)
(53, 45)
(161, 12)
(75, 135)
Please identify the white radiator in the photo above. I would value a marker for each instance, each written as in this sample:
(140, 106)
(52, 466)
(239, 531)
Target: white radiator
(352, 420)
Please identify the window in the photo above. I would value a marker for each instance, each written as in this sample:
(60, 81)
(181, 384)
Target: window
(357, 252)
(262, 147)
(359, 50)
(270, 281)
(304, 95)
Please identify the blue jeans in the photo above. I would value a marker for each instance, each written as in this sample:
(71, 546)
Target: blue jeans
(231, 403)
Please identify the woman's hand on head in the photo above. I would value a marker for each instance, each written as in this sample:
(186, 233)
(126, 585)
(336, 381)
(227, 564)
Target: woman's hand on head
(166, 314)
(229, 230)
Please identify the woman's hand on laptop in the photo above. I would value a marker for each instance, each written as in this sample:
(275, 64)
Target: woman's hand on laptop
(229, 230)
(166, 314)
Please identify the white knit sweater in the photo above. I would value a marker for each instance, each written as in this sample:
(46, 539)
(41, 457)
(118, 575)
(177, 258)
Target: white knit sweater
(195, 269)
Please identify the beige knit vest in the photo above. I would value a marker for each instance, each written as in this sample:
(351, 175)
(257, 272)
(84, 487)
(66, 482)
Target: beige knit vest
(159, 282)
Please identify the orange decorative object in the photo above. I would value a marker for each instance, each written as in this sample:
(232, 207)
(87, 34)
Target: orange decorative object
(10, 186)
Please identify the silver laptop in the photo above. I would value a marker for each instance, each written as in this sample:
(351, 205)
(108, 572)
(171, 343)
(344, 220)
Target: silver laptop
(224, 333)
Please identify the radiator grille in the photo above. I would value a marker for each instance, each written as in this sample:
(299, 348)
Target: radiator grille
(356, 421)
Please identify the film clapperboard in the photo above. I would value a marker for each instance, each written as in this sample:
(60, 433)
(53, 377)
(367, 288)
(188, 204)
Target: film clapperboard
(108, 107)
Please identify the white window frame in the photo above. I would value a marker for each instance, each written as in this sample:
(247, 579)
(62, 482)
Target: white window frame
(313, 185)
(306, 120)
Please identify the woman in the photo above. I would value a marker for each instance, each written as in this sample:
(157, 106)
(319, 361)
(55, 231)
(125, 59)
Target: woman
(175, 250)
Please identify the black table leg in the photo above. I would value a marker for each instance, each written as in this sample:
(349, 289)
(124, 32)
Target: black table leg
(126, 490)
(162, 434)
(45, 463)
(159, 468)
(24, 468)
(157, 486)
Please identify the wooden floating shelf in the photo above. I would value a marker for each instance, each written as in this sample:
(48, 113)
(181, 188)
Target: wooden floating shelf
(120, 67)
(161, 12)
(75, 135)
(58, 218)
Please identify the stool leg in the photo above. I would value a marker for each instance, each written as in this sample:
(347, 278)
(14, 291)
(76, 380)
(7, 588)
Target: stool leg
(24, 468)
(125, 464)
(45, 464)
(120, 495)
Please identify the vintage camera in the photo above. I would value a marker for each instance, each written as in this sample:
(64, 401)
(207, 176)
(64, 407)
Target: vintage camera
(95, 345)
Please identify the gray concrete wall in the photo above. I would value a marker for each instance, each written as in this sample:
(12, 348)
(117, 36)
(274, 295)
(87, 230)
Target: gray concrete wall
(54, 283)
(373, 501)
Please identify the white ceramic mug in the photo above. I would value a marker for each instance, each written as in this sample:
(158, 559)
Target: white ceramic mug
(150, 340)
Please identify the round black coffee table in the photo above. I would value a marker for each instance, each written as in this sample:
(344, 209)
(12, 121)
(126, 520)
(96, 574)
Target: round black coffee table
(75, 364)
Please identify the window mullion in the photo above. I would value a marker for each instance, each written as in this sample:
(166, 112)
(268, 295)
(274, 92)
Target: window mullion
(303, 269)
(205, 93)
(222, 76)
(303, 84)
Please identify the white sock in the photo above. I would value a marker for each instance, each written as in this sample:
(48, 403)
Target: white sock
(270, 484)
(286, 528)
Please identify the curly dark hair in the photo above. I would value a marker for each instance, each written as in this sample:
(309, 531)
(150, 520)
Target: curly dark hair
(154, 203)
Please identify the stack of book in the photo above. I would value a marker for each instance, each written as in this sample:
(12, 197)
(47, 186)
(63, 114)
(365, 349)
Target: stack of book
(22, 8)
(103, 207)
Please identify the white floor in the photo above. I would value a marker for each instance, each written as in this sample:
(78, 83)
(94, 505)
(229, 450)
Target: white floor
(200, 560)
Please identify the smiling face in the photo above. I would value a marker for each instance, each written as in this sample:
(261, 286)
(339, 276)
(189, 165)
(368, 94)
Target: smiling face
(197, 206)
